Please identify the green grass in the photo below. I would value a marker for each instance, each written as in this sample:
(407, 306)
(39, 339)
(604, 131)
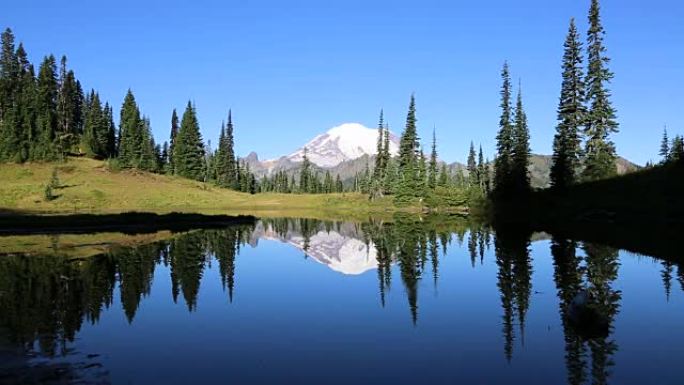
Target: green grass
(89, 186)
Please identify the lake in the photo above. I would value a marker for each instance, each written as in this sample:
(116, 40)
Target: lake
(302, 301)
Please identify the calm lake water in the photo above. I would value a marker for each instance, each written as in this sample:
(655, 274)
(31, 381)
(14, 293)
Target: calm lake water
(309, 302)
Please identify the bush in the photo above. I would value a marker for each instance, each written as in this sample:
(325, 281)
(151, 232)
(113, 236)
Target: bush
(49, 195)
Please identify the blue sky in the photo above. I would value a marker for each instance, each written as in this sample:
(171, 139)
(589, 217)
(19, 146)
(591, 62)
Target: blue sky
(293, 69)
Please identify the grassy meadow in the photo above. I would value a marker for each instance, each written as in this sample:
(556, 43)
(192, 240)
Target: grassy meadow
(89, 186)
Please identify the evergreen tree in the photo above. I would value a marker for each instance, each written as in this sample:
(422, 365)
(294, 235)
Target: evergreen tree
(521, 149)
(18, 144)
(328, 183)
(472, 166)
(432, 169)
(504, 138)
(599, 150)
(172, 138)
(443, 176)
(46, 107)
(305, 177)
(11, 114)
(571, 114)
(421, 183)
(408, 147)
(148, 157)
(68, 106)
(189, 152)
(229, 151)
(95, 122)
(339, 187)
(379, 170)
(677, 149)
(220, 163)
(665, 147)
(130, 137)
(481, 169)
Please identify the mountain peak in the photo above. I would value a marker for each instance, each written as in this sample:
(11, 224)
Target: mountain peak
(341, 143)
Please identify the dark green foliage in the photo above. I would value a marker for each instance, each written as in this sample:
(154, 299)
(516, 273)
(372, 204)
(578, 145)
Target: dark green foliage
(46, 107)
(472, 166)
(148, 156)
(172, 138)
(225, 156)
(443, 176)
(599, 152)
(521, 150)
(380, 161)
(130, 136)
(432, 168)
(677, 149)
(503, 164)
(407, 186)
(306, 177)
(188, 152)
(665, 147)
(482, 170)
(571, 114)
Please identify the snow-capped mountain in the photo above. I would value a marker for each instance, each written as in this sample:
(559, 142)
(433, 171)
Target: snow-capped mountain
(342, 143)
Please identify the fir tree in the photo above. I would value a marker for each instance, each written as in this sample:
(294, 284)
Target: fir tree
(571, 114)
(338, 184)
(189, 152)
(305, 177)
(599, 161)
(443, 176)
(472, 165)
(10, 108)
(481, 169)
(408, 147)
(130, 125)
(665, 147)
(220, 163)
(432, 169)
(148, 158)
(504, 138)
(229, 152)
(328, 183)
(172, 137)
(521, 149)
(379, 170)
(47, 111)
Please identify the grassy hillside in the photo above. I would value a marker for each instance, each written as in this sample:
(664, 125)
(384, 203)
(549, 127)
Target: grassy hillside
(89, 186)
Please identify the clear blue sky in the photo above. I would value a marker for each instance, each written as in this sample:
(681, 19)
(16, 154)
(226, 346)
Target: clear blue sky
(293, 69)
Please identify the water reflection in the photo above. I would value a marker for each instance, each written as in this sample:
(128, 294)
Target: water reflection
(45, 300)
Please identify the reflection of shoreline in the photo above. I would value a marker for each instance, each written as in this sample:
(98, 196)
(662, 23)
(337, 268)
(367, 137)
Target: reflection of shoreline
(338, 251)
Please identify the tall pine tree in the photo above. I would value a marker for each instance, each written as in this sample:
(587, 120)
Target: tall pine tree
(432, 168)
(188, 152)
(408, 161)
(504, 138)
(130, 125)
(571, 114)
(521, 149)
(599, 152)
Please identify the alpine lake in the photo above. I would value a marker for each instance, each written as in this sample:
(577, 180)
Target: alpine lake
(303, 301)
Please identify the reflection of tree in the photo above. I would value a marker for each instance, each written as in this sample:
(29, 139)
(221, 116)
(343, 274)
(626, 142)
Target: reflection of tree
(568, 277)
(588, 336)
(472, 246)
(602, 270)
(514, 281)
(188, 259)
(666, 273)
(411, 242)
(46, 298)
(135, 269)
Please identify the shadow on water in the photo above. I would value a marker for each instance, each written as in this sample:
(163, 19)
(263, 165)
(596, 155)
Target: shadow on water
(45, 300)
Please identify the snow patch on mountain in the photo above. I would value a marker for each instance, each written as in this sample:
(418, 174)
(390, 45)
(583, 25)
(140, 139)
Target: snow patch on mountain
(344, 142)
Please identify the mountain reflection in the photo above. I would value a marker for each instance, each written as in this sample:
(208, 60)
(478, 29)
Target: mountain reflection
(44, 300)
